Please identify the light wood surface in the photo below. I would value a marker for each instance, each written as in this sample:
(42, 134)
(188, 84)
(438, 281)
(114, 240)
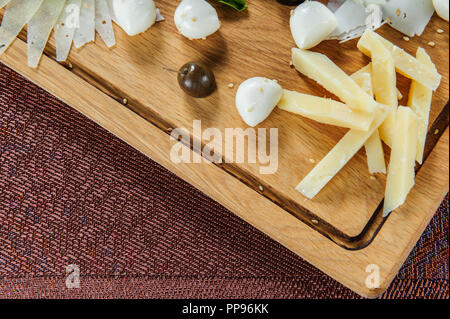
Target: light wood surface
(135, 70)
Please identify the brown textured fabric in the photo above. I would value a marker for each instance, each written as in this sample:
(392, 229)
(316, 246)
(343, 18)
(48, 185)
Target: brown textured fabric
(71, 193)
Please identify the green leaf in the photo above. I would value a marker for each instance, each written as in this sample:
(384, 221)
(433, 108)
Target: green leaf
(239, 5)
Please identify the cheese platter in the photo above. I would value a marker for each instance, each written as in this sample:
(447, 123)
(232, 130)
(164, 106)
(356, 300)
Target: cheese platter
(325, 199)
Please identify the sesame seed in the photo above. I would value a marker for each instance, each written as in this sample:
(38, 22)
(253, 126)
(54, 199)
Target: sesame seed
(311, 160)
(315, 221)
(231, 85)
(440, 31)
(406, 38)
(261, 188)
(373, 178)
(431, 44)
(436, 132)
(125, 101)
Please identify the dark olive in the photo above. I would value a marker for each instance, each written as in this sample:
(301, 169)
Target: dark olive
(196, 79)
(291, 2)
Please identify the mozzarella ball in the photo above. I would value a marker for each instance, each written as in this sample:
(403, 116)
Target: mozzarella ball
(441, 7)
(196, 19)
(311, 23)
(133, 16)
(256, 98)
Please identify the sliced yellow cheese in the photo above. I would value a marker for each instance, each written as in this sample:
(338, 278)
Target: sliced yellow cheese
(339, 156)
(400, 178)
(384, 84)
(322, 70)
(375, 154)
(368, 69)
(405, 64)
(373, 146)
(324, 110)
(364, 80)
(420, 98)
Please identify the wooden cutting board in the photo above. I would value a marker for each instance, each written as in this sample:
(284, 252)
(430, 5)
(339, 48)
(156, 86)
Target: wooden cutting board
(341, 231)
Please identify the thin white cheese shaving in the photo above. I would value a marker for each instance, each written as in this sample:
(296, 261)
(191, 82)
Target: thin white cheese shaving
(17, 14)
(86, 32)
(39, 28)
(103, 23)
(409, 17)
(354, 18)
(159, 16)
(65, 28)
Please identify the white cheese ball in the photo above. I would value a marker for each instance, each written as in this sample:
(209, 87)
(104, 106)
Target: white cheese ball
(196, 19)
(441, 7)
(133, 16)
(311, 23)
(256, 98)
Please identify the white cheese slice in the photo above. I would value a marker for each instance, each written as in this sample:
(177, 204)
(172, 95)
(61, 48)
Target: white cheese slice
(86, 32)
(408, 17)
(39, 28)
(373, 146)
(405, 64)
(17, 14)
(420, 98)
(384, 84)
(103, 23)
(65, 28)
(354, 18)
(339, 156)
(322, 70)
(324, 110)
(400, 178)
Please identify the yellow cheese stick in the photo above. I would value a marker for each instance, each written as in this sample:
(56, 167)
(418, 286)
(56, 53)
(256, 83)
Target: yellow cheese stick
(322, 70)
(339, 156)
(368, 69)
(375, 154)
(373, 146)
(324, 110)
(400, 178)
(384, 84)
(405, 64)
(420, 98)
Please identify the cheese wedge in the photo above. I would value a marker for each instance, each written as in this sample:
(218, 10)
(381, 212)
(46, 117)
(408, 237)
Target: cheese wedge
(420, 98)
(400, 178)
(373, 146)
(384, 84)
(340, 155)
(405, 64)
(322, 70)
(324, 110)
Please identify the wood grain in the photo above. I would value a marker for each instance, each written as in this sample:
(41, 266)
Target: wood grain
(135, 70)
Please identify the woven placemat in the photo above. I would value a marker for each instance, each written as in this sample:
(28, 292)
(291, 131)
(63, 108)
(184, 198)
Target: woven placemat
(71, 193)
